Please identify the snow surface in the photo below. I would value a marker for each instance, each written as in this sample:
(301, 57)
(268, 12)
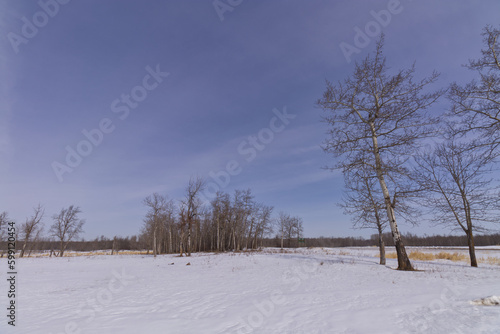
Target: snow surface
(304, 291)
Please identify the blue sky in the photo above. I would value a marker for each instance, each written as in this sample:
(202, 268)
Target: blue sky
(225, 78)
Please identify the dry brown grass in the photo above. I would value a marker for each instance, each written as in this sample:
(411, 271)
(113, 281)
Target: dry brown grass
(452, 257)
(421, 256)
(456, 257)
(391, 256)
(416, 255)
(490, 260)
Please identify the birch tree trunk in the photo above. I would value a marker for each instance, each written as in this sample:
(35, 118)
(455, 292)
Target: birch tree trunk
(403, 259)
(170, 251)
(381, 244)
(154, 241)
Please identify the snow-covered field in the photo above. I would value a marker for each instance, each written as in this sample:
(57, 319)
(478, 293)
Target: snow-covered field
(304, 291)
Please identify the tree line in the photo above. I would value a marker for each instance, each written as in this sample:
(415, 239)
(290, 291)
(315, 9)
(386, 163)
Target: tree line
(228, 223)
(410, 240)
(140, 243)
(400, 160)
(67, 226)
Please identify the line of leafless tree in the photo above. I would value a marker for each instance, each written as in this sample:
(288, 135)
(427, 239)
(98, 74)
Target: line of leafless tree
(66, 227)
(140, 242)
(410, 240)
(228, 222)
(380, 123)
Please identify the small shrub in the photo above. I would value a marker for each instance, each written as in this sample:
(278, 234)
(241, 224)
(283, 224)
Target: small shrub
(391, 256)
(417, 255)
(452, 257)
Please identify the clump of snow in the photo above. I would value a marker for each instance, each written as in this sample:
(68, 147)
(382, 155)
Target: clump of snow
(489, 301)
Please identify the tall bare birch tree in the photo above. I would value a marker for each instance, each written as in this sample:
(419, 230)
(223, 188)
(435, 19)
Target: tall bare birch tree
(375, 120)
(477, 104)
(221, 210)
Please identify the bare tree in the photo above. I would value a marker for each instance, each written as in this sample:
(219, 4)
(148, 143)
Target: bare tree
(263, 223)
(463, 196)
(220, 211)
(290, 228)
(477, 104)
(155, 218)
(190, 207)
(168, 220)
(375, 120)
(224, 218)
(32, 228)
(243, 206)
(282, 222)
(4, 220)
(229, 223)
(113, 247)
(67, 226)
(365, 204)
(298, 226)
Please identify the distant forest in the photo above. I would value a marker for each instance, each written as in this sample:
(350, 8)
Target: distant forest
(135, 243)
